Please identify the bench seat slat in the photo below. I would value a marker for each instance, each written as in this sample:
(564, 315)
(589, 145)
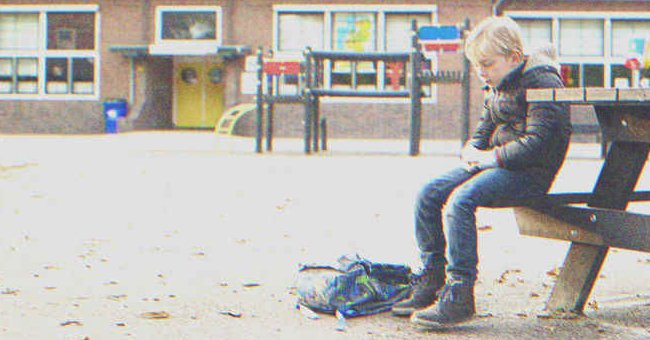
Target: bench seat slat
(601, 227)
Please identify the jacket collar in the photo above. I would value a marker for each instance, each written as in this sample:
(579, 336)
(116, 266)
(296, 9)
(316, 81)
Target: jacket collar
(512, 76)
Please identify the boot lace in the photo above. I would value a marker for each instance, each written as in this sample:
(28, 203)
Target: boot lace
(447, 291)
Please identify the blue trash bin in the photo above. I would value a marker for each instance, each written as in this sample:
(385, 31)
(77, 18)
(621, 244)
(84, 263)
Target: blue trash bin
(113, 110)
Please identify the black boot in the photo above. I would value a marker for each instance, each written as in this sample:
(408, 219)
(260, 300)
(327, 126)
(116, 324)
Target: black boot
(456, 305)
(424, 292)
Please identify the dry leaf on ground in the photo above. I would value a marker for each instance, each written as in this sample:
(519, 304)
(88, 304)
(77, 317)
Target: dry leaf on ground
(71, 323)
(155, 315)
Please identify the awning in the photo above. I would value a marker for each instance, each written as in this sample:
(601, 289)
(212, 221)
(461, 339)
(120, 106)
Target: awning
(227, 52)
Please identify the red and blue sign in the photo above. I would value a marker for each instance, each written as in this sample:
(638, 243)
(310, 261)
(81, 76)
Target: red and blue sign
(440, 38)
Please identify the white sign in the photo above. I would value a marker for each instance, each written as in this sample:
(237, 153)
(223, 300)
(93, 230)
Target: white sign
(251, 63)
(249, 83)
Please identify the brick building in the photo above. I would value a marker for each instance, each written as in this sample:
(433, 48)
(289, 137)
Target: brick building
(181, 63)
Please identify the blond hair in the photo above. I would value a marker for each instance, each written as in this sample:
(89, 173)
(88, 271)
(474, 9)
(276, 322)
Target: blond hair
(494, 36)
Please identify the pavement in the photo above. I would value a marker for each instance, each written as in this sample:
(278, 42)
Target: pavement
(189, 235)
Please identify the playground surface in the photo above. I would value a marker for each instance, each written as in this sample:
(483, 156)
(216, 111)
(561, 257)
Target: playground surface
(186, 235)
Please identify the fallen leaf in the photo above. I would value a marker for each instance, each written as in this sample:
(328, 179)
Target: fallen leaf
(117, 297)
(155, 315)
(534, 295)
(593, 305)
(553, 272)
(504, 276)
(485, 228)
(120, 324)
(250, 284)
(9, 291)
(71, 323)
(522, 315)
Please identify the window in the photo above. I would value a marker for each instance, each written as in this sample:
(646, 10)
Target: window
(307, 31)
(583, 75)
(398, 29)
(620, 73)
(195, 25)
(592, 46)
(48, 52)
(624, 31)
(581, 37)
(187, 30)
(535, 33)
(354, 28)
(18, 31)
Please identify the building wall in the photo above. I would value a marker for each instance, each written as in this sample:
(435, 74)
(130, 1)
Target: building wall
(250, 22)
(377, 120)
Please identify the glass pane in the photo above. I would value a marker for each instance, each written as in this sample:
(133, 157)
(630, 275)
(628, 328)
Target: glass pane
(395, 75)
(366, 75)
(624, 31)
(620, 76)
(570, 75)
(57, 75)
(71, 31)
(576, 75)
(27, 75)
(300, 30)
(398, 29)
(189, 25)
(355, 32)
(594, 75)
(83, 75)
(6, 75)
(18, 31)
(581, 37)
(535, 33)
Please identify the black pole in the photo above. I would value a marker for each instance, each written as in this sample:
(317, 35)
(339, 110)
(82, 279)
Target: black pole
(464, 125)
(323, 133)
(259, 100)
(316, 121)
(416, 94)
(309, 99)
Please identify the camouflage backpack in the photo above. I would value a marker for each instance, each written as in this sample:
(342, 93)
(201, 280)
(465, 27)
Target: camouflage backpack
(354, 286)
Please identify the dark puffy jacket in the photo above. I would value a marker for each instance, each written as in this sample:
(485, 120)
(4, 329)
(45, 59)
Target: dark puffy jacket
(534, 137)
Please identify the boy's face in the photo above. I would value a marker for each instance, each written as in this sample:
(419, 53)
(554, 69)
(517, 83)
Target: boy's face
(493, 69)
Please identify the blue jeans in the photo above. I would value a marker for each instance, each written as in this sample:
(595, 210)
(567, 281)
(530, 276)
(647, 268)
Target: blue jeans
(451, 201)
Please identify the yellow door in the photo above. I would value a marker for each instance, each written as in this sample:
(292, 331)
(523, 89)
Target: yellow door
(198, 87)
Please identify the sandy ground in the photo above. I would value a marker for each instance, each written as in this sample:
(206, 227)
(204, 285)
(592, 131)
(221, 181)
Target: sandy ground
(188, 236)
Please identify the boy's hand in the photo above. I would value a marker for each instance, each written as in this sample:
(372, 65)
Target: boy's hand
(478, 158)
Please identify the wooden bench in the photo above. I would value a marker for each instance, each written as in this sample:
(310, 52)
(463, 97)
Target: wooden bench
(624, 117)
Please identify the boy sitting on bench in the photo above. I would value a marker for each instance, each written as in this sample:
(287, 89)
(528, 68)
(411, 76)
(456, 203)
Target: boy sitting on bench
(514, 153)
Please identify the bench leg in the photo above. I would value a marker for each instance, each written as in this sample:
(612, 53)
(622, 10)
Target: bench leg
(577, 277)
(612, 191)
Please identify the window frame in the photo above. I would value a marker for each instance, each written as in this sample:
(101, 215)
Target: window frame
(186, 46)
(608, 60)
(328, 12)
(42, 53)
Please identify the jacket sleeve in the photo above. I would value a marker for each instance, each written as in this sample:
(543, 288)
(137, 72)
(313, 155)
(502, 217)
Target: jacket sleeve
(544, 123)
(485, 128)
